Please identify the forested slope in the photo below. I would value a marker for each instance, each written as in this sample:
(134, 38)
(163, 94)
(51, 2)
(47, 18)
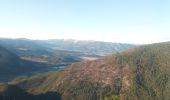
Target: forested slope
(138, 74)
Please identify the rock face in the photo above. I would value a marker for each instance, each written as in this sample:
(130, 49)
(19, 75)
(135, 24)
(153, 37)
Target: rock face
(141, 73)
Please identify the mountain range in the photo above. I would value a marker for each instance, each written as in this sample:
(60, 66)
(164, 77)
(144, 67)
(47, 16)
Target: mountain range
(88, 47)
(140, 73)
(26, 57)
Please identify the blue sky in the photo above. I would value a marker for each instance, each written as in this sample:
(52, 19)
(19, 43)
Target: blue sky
(130, 21)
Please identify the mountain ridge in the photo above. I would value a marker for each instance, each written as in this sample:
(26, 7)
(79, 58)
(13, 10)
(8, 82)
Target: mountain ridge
(141, 73)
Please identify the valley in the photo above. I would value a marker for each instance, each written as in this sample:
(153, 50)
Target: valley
(139, 73)
(84, 49)
(39, 56)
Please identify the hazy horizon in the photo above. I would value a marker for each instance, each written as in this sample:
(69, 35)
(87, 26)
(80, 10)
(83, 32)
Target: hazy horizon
(137, 22)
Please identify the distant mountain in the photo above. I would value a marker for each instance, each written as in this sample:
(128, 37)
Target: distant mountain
(22, 55)
(39, 51)
(26, 57)
(142, 73)
(91, 47)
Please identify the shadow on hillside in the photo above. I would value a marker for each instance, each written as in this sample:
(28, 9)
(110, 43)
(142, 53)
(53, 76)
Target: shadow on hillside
(16, 93)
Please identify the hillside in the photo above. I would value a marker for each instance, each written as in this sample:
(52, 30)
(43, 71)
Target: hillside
(12, 66)
(138, 74)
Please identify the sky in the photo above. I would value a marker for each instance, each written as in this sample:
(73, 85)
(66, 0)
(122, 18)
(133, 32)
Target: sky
(124, 21)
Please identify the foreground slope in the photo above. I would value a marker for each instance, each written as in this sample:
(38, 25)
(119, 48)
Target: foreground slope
(15, 93)
(138, 74)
